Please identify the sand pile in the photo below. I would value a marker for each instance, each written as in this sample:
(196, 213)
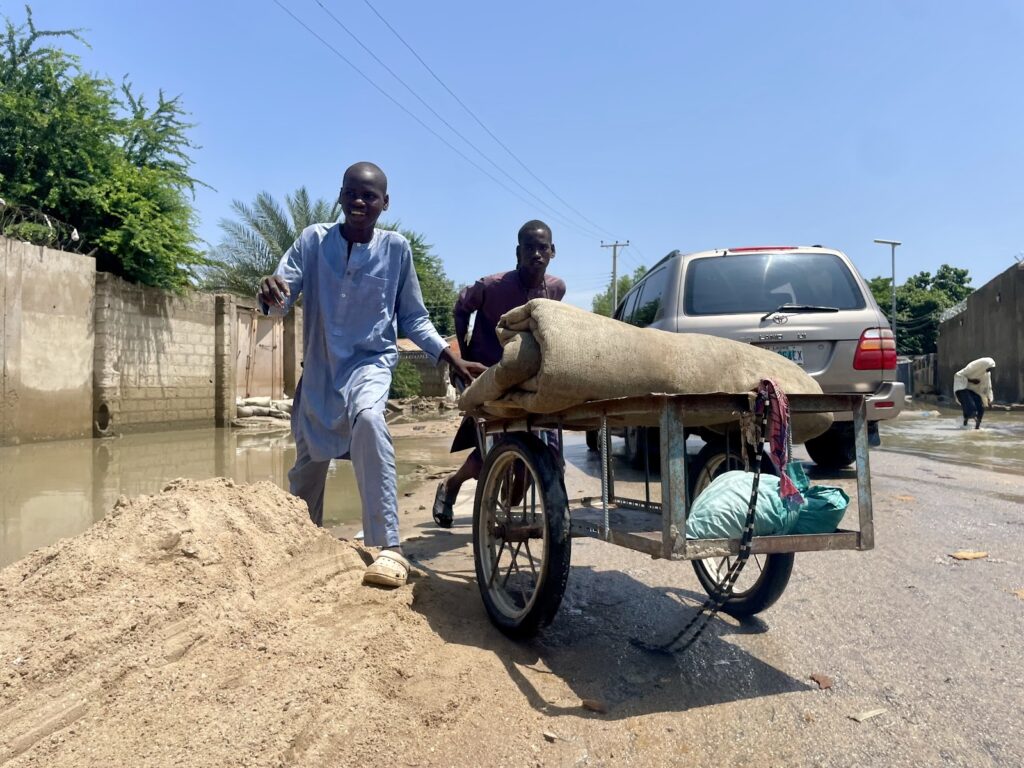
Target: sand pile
(211, 624)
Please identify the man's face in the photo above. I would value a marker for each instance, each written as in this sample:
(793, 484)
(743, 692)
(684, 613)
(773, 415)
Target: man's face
(535, 251)
(363, 198)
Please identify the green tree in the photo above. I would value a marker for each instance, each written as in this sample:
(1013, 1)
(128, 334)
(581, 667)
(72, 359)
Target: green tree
(94, 155)
(602, 303)
(919, 303)
(258, 237)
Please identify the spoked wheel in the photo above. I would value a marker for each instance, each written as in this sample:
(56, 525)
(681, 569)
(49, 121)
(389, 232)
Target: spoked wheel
(764, 577)
(521, 542)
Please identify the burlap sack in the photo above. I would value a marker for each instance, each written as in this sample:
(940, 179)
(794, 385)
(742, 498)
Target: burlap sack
(556, 356)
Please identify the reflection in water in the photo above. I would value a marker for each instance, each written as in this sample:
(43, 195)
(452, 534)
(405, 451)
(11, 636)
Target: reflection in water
(998, 445)
(58, 489)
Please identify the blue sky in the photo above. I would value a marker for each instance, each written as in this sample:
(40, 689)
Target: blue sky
(671, 124)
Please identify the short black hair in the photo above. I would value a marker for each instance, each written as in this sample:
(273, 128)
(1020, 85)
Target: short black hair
(365, 167)
(532, 226)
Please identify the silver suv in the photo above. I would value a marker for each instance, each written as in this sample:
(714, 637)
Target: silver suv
(807, 303)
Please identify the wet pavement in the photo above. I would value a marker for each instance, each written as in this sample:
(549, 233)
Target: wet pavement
(58, 489)
(54, 490)
(940, 435)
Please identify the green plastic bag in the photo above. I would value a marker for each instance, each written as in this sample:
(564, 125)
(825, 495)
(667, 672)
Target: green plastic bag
(720, 511)
(824, 505)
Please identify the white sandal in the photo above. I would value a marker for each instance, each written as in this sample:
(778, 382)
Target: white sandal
(390, 569)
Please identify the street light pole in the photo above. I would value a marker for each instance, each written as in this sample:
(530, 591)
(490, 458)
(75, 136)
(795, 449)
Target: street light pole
(892, 244)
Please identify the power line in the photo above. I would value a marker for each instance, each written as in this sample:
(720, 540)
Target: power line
(401, 106)
(479, 122)
(448, 125)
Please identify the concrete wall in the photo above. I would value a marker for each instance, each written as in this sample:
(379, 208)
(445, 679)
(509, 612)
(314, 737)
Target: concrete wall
(433, 376)
(991, 325)
(154, 357)
(46, 341)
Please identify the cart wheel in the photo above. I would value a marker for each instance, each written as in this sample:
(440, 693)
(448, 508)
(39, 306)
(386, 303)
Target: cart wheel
(764, 577)
(521, 541)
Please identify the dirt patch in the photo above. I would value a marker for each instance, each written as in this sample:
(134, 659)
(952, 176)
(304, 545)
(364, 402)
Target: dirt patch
(213, 624)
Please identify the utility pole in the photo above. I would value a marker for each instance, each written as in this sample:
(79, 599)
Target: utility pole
(615, 274)
(892, 244)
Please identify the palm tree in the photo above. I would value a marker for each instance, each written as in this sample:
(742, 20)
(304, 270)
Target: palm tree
(255, 242)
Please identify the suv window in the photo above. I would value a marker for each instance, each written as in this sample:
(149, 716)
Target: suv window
(726, 285)
(626, 307)
(649, 303)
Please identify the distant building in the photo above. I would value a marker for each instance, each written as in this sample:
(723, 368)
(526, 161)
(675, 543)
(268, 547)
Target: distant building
(990, 324)
(433, 377)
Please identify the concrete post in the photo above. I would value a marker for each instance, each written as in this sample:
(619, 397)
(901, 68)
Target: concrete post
(292, 343)
(224, 360)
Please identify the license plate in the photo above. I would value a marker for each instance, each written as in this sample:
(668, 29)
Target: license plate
(791, 352)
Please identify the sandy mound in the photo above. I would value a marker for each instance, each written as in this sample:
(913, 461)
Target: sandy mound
(211, 624)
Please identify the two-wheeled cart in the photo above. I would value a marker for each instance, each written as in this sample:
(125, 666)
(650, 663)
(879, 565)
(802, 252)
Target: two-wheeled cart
(523, 520)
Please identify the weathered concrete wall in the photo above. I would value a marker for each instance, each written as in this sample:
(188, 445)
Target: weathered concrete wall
(433, 376)
(155, 358)
(992, 325)
(46, 342)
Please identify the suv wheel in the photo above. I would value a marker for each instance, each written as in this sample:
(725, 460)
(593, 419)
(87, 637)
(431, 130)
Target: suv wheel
(764, 577)
(835, 449)
(639, 439)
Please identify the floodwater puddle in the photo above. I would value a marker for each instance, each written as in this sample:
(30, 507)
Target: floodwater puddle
(998, 445)
(54, 490)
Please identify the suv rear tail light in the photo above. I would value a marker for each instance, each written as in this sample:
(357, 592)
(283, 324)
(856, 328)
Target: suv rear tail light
(876, 350)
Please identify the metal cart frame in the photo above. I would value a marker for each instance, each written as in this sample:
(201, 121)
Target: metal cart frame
(656, 529)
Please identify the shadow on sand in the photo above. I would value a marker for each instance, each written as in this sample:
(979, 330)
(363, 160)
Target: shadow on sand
(588, 646)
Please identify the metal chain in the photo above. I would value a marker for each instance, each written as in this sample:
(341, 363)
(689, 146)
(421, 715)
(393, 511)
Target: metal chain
(603, 438)
(723, 590)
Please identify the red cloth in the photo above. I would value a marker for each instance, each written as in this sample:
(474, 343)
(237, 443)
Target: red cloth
(779, 439)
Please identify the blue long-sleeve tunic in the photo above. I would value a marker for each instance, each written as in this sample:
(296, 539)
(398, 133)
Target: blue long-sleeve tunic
(352, 307)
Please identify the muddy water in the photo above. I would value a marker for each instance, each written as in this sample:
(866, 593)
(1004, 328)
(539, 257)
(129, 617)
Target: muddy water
(998, 445)
(54, 490)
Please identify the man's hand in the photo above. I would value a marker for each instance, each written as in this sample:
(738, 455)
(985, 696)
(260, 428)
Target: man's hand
(274, 290)
(470, 370)
(464, 370)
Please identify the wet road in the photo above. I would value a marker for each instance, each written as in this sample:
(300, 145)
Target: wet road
(998, 445)
(933, 643)
(58, 489)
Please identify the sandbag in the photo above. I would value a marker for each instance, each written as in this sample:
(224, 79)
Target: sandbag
(556, 356)
(720, 512)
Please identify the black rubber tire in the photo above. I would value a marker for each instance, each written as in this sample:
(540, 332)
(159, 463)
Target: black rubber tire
(553, 570)
(777, 569)
(833, 450)
(593, 437)
(762, 594)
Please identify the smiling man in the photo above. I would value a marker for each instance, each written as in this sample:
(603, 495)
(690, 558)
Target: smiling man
(358, 284)
(491, 297)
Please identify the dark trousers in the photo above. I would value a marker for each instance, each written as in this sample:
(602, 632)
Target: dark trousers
(972, 406)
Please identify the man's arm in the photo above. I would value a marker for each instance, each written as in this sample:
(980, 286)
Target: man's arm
(412, 315)
(471, 298)
(279, 291)
(558, 289)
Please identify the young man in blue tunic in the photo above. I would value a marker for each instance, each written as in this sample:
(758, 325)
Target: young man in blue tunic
(358, 284)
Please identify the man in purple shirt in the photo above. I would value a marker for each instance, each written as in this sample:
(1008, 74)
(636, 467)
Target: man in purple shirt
(491, 297)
